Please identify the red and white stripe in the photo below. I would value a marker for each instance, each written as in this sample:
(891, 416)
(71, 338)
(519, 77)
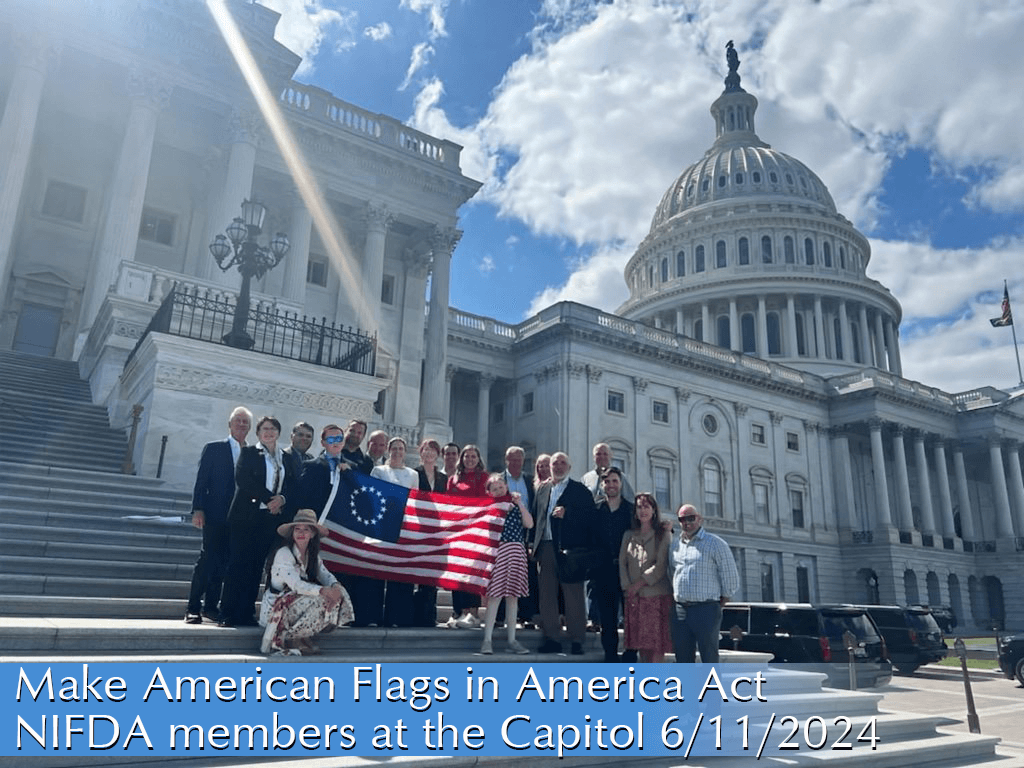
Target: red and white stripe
(445, 540)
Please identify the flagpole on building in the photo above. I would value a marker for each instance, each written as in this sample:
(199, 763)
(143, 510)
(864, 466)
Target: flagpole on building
(1016, 350)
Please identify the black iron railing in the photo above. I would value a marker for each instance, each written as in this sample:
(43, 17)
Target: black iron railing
(196, 315)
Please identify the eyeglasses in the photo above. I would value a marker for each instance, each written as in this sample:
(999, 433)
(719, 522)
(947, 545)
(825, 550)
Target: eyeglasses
(334, 439)
(687, 518)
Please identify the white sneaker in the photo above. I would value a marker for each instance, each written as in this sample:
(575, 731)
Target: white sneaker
(469, 621)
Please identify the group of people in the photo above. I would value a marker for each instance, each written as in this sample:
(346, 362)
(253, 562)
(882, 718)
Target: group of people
(258, 505)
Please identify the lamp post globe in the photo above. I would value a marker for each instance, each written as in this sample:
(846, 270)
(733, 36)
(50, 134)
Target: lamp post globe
(240, 248)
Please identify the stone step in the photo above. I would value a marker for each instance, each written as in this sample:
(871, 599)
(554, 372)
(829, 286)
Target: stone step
(112, 556)
(109, 461)
(87, 537)
(80, 478)
(42, 583)
(137, 572)
(95, 504)
(170, 525)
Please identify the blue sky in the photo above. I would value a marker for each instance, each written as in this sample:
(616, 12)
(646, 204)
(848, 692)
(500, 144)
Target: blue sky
(577, 115)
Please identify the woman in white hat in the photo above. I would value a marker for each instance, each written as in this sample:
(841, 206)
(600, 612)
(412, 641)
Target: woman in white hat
(302, 597)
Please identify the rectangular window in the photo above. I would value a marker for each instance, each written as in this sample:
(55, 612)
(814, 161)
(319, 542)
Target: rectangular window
(712, 490)
(761, 502)
(803, 584)
(792, 441)
(64, 201)
(659, 411)
(528, 402)
(796, 501)
(757, 434)
(316, 270)
(616, 401)
(662, 487)
(387, 289)
(157, 227)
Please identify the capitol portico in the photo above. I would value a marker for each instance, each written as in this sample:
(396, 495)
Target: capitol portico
(755, 368)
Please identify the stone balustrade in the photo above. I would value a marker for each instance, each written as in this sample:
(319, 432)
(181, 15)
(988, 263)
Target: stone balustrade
(320, 105)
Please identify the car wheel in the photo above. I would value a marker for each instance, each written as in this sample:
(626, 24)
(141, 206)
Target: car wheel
(1019, 671)
(906, 669)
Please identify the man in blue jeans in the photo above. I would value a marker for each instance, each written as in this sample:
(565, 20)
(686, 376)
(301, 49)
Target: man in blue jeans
(704, 577)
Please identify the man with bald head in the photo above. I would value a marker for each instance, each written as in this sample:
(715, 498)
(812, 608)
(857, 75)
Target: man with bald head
(564, 513)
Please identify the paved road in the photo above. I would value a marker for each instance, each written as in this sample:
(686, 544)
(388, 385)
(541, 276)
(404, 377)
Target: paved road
(935, 690)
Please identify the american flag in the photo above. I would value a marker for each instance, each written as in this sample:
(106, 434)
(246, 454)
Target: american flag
(1006, 318)
(385, 531)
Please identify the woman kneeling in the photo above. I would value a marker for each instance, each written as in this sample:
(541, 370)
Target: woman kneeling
(302, 597)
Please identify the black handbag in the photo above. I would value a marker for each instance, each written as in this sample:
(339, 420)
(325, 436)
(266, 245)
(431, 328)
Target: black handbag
(576, 564)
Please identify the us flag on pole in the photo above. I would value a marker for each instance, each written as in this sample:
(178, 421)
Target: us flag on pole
(1006, 318)
(384, 531)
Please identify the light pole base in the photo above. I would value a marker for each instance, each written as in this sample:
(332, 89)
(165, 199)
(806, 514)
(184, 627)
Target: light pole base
(238, 340)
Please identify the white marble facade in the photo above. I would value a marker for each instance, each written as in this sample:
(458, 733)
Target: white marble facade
(755, 368)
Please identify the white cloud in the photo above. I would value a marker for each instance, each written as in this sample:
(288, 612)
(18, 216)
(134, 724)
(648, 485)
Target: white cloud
(476, 160)
(434, 9)
(486, 265)
(421, 54)
(305, 23)
(511, 240)
(597, 282)
(378, 32)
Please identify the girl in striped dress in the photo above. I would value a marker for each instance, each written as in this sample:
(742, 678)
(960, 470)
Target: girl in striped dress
(509, 576)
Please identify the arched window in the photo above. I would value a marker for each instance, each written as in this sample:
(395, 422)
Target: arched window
(774, 337)
(826, 254)
(680, 264)
(747, 330)
(744, 248)
(720, 254)
(809, 251)
(698, 259)
(724, 339)
(711, 480)
(664, 270)
(788, 250)
(766, 249)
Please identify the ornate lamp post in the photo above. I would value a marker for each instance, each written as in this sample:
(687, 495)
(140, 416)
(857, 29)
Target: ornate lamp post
(253, 260)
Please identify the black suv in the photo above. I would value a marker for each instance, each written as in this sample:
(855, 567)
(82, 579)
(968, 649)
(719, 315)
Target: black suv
(1011, 656)
(912, 636)
(811, 636)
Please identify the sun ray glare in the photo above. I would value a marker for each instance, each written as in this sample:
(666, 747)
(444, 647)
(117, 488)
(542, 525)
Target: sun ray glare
(339, 251)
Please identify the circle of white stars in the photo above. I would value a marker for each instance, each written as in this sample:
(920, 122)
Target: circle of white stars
(378, 505)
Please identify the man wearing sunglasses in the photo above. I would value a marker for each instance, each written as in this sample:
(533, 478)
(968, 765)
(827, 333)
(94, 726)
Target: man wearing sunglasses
(704, 576)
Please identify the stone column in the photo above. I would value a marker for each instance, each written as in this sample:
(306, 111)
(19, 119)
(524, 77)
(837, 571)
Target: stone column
(878, 464)
(705, 323)
(844, 332)
(297, 259)
(945, 498)
(245, 130)
(924, 482)
(127, 191)
(897, 360)
(735, 332)
(1016, 487)
(905, 506)
(794, 349)
(680, 322)
(880, 356)
(377, 219)
(483, 413)
(890, 342)
(762, 328)
(17, 130)
(819, 330)
(963, 496)
(449, 375)
(844, 467)
(1004, 519)
(865, 337)
(434, 408)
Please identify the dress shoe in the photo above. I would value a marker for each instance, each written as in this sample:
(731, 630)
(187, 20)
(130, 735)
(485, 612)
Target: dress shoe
(225, 623)
(611, 658)
(550, 646)
(211, 615)
(629, 656)
(577, 649)
(193, 618)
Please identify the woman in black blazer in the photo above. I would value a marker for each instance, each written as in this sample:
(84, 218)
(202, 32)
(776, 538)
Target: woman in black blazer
(264, 479)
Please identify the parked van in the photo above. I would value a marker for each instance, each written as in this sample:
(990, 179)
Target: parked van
(912, 636)
(811, 637)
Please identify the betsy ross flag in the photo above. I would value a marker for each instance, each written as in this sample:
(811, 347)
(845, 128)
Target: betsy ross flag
(1006, 318)
(385, 531)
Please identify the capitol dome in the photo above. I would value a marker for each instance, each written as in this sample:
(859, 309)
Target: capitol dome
(747, 251)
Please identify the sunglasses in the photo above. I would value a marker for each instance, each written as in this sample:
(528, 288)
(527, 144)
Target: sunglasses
(334, 439)
(688, 518)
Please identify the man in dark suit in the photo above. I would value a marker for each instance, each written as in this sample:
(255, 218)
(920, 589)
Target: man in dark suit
(563, 514)
(320, 475)
(614, 516)
(211, 498)
(298, 452)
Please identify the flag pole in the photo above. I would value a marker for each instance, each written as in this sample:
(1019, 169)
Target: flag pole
(1016, 349)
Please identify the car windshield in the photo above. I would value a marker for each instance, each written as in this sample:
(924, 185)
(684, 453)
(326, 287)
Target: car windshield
(922, 622)
(857, 623)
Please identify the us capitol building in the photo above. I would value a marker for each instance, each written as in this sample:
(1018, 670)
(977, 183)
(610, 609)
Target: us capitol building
(755, 368)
